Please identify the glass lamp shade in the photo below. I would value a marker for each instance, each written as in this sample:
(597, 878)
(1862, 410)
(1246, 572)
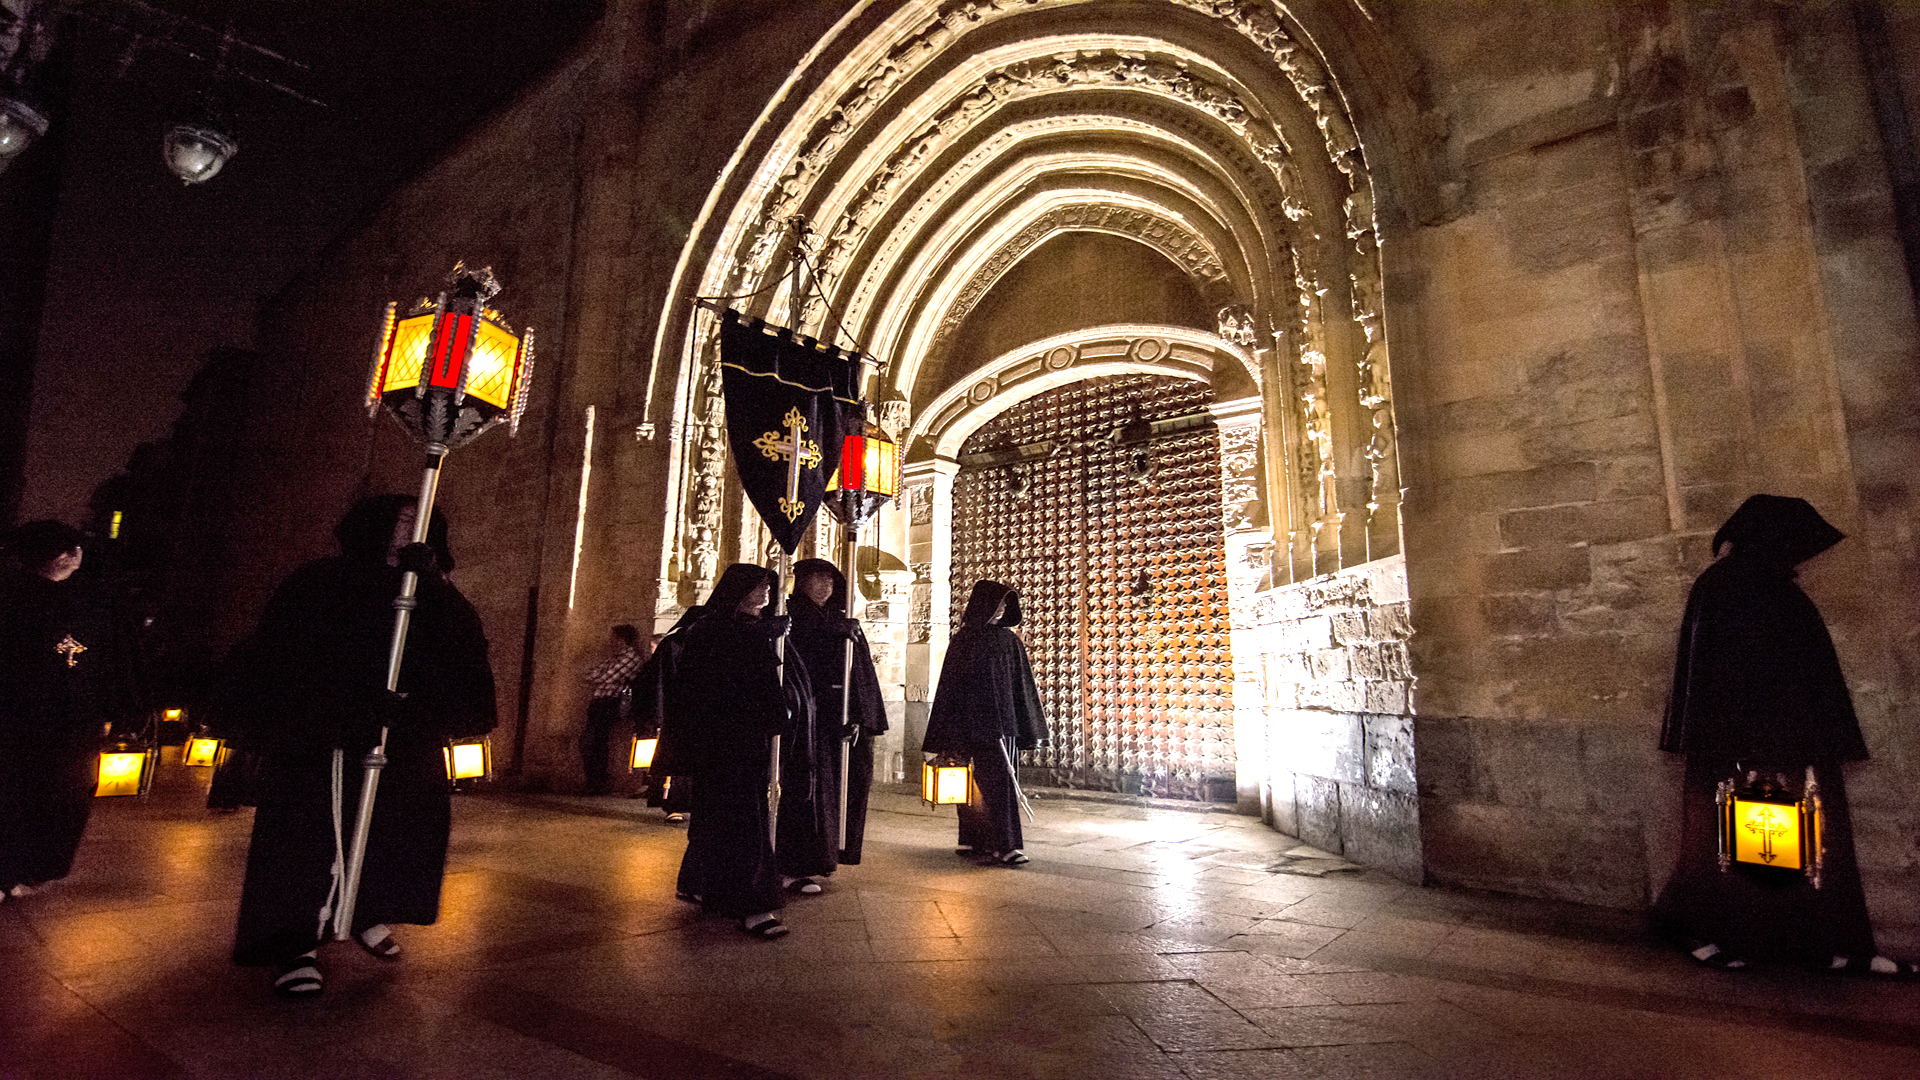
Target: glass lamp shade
(1766, 833)
(643, 753)
(197, 153)
(452, 368)
(124, 770)
(201, 752)
(467, 760)
(869, 464)
(943, 783)
(20, 125)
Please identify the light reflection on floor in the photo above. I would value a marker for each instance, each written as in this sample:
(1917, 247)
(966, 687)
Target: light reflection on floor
(1139, 943)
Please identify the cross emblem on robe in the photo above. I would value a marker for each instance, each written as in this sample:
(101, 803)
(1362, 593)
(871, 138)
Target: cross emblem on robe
(71, 648)
(1767, 824)
(775, 449)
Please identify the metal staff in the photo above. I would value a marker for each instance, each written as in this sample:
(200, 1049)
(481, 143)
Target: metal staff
(794, 449)
(376, 758)
(851, 554)
(1014, 774)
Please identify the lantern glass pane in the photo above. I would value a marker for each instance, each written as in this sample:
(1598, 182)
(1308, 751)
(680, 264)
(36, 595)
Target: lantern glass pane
(491, 370)
(950, 786)
(1766, 834)
(202, 751)
(643, 752)
(409, 353)
(121, 772)
(468, 760)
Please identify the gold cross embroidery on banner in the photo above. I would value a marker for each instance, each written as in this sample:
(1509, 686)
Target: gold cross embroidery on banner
(72, 648)
(776, 448)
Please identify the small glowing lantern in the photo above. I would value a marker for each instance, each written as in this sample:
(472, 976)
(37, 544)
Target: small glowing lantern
(467, 760)
(173, 715)
(943, 783)
(202, 751)
(643, 752)
(452, 368)
(124, 770)
(1763, 824)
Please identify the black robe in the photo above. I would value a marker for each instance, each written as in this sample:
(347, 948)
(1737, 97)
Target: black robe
(307, 681)
(1757, 688)
(986, 709)
(51, 716)
(669, 782)
(820, 636)
(724, 703)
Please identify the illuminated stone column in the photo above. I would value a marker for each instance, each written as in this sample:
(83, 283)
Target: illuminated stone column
(1249, 543)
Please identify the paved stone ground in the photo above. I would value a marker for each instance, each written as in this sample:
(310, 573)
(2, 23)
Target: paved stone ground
(1142, 942)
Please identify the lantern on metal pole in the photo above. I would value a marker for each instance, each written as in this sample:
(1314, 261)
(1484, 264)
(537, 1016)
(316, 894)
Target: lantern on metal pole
(868, 478)
(448, 371)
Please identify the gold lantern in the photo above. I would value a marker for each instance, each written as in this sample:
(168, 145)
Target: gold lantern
(126, 769)
(643, 752)
(202, 751)
(1763, 823)
(944, 783)
(452, 367)
(468, 760)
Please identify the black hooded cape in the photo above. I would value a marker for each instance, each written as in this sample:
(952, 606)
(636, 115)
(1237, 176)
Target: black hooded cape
(821, 636)
(986, 708)
(312, 677)
(724, 703)
(51, 715)
(1757, 688)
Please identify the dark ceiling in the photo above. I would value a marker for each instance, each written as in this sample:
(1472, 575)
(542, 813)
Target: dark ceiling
(147, 274)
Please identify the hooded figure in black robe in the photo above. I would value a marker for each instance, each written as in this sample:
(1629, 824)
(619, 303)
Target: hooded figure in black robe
(1758, 695)
(66, 671)
(821, 635)
(986, 709)
(668, 788)
(313, 677)
(724, 704)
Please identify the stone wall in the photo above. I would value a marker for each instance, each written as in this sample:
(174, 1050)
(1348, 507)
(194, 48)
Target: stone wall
(1331, 653)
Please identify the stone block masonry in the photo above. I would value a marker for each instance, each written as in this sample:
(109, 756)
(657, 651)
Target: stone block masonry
(1335, 675)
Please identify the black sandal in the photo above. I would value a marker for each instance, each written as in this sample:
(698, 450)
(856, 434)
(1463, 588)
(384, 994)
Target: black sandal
(298, 978)
(766, 929)
(1016, 857)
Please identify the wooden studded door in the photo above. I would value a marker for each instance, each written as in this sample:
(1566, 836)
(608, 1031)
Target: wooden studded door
(1100, 503)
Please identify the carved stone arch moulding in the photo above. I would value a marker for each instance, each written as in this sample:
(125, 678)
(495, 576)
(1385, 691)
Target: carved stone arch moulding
(1193, 255)
(944, 423)
(873, 117)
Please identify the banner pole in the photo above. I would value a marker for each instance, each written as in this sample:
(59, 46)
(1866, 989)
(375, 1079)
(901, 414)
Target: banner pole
(795, 448)
(850, 555)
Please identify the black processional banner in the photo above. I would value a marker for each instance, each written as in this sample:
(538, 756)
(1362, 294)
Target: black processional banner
(775, 382)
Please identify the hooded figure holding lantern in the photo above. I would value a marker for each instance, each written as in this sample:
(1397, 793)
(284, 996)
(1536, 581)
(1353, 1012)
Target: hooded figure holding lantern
(987, 708)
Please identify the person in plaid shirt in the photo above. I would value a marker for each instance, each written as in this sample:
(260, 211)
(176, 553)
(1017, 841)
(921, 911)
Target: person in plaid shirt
(611, 681)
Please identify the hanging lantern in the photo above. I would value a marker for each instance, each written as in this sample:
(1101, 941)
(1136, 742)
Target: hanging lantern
(1764, 824)
(452, 368)
(868, 477)
(203, 751)
(469, 759)
(944, 783)
(643, 752)
(127, 769)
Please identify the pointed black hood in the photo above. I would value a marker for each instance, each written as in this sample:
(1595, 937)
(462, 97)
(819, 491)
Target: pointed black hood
(986, 597)
(836, 602)
(1778, 529)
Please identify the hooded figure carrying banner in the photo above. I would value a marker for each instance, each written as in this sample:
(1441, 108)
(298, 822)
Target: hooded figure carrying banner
(821, 634)
(1759, 702)
(725, 702)
(987, 708)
